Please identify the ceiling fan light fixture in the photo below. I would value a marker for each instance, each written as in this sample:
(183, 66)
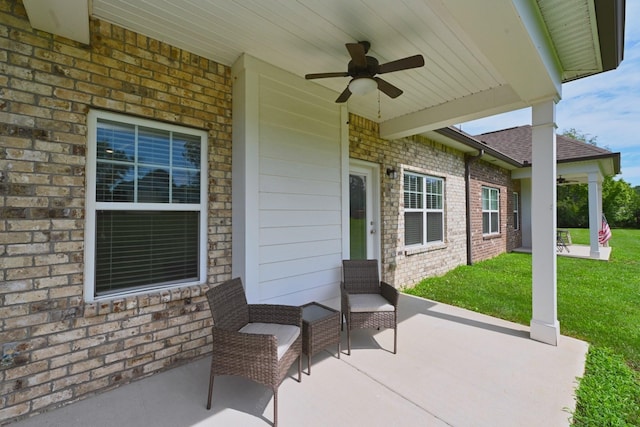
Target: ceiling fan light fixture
(363, 70)
(362, 85)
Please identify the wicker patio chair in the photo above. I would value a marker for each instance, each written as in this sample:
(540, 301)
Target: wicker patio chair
(256, 341)
(367, 302)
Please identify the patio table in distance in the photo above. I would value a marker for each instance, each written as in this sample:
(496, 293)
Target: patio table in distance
(563, 239)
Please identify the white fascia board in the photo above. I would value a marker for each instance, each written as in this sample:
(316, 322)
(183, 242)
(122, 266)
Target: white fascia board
(542, 46)
(578, 168)
(65, 18)
(570, 169)
(522, 173)
(482, 104)
(512, 36)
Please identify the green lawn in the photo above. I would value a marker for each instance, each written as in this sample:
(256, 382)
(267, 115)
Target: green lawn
(598, 302)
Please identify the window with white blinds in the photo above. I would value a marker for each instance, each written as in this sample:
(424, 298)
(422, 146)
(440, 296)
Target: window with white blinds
(146, 205)
(423, 209)
(490, 210)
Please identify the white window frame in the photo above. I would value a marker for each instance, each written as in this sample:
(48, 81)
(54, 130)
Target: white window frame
(92, 206)
(491, 212)
(424, 210)
(516, 210)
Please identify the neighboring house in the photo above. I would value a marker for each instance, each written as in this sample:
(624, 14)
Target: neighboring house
(145, 156)
(578, 162)
(499, 192)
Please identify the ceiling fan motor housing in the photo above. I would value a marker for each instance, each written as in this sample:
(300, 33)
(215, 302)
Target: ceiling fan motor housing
(370, 70)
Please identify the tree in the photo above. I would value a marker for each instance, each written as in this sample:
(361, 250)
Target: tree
(620, 202)
(579, 136)
(636, 207)
(573, 206)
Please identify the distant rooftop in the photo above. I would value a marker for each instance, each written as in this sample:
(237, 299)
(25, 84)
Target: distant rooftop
(516, 143)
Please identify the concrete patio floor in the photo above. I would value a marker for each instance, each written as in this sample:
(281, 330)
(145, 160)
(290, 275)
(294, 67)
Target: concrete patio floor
(584, 251)
(577, 251)
(453, 368)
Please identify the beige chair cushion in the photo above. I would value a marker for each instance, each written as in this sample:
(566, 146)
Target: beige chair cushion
(285, 334)
(369, 302)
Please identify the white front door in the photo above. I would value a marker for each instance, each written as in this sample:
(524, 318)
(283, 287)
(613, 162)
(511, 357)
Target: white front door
(364, 210)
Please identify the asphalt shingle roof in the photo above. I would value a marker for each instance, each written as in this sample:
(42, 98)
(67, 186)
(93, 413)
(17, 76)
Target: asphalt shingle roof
(516, 143)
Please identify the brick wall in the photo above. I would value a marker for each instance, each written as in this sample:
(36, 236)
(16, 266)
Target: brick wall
(56, 348)
(400, 267)
(484, 247)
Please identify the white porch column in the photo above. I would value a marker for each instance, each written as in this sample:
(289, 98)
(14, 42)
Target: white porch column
(595, 213)
(544, 323)
(245, 178)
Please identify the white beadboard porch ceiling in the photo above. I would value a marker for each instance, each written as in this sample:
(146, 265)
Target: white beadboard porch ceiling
(482, 57)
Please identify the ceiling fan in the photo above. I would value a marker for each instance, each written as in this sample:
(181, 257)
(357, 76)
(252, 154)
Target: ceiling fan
(363, 70)
(561, 180)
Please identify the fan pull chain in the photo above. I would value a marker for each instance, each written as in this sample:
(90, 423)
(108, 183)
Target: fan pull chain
(379, 114)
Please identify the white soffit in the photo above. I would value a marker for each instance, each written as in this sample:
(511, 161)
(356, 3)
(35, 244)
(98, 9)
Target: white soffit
(573, 31)
(309, 36)
(482, 57)
(66, 18)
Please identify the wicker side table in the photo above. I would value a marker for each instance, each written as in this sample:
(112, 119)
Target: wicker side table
(320, 328)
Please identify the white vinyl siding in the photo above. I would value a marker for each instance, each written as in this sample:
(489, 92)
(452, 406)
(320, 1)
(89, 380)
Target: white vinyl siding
(299, 195)
(423, 209)
(146, 206)
(490, 210)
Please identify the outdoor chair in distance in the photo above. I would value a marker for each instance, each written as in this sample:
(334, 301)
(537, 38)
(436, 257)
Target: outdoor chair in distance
(366, 301)
(255, 341)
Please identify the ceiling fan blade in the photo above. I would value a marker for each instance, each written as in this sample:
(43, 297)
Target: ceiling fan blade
(326, 75)
(344, 95)
(387, 88)
(358, 54)
(402, 64)
(562, 180)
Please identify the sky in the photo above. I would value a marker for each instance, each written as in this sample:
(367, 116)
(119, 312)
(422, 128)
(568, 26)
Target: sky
(605, 106)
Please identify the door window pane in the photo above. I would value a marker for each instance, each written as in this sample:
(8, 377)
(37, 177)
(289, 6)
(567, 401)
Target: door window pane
(516, 211)
(358, 216)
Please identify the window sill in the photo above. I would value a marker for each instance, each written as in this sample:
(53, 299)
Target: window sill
(491, 236)
(424, 249)
(136, 302)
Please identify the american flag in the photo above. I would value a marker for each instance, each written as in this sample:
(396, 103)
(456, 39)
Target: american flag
(605, 232)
